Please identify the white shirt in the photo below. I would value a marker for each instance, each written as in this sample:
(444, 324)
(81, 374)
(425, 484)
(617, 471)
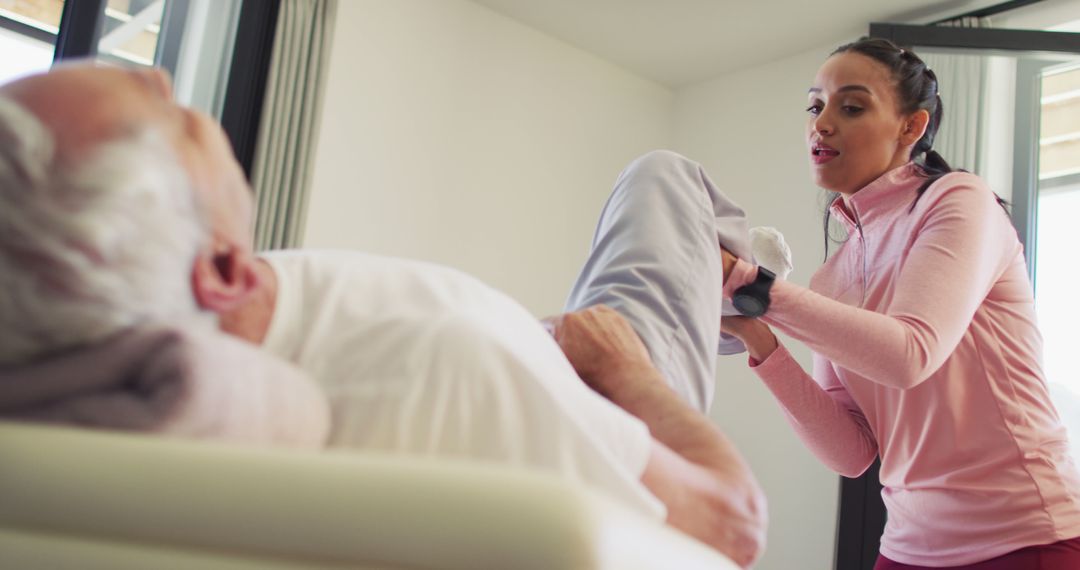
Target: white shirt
(422, 359)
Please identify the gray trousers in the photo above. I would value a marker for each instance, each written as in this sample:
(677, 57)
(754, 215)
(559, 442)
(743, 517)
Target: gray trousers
(656, 260)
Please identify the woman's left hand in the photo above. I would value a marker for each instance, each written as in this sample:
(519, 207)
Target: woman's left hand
(757, 336)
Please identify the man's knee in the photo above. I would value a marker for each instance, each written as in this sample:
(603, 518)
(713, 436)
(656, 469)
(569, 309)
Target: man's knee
(661, 162)
(662, 182)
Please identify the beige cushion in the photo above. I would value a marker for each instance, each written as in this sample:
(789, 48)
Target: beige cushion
(111, 500)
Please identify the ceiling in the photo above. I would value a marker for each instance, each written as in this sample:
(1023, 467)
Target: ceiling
(679, 42)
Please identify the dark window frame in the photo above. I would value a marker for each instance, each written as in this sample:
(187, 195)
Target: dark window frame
(250, 68)
(861, 520)
(80, 28)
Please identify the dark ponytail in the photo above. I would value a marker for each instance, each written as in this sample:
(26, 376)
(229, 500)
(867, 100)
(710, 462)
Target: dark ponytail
(933, 166)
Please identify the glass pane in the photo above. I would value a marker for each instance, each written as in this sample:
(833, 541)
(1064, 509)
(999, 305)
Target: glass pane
(130, 30)
(27, 36)
(42, 14)
(205, 53)
(22, 55)
(1058, 306)
(1057, 236)
(1059, 144)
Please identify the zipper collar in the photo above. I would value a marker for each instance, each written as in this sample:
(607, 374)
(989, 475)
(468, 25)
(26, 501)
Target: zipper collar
(890, 192)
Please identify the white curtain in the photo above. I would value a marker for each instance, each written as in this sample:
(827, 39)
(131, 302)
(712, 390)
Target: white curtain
(961, 83)
(285, 150)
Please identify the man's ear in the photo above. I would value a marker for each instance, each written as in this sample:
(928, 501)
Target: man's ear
(915, 127)
(224, 277)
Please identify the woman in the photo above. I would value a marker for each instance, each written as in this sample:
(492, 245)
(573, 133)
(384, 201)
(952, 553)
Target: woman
(926, 350)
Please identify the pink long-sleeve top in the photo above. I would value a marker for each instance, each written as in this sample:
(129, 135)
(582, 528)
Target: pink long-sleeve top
(926, 352)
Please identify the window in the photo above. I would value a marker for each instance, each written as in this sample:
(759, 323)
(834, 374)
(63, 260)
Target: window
(28, 31)
(218, 65)
(130, 31)
(1057, 234)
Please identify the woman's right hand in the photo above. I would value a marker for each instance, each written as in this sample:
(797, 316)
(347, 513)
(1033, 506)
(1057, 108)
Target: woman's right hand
(757, 336)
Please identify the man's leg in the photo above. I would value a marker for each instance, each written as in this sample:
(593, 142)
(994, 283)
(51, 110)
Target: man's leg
(656, 260)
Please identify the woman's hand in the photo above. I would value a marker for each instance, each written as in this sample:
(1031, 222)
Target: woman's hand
(757, 336)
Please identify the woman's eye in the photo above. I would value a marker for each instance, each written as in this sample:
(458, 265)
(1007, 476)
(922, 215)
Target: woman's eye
(814, 109)
(852, 109)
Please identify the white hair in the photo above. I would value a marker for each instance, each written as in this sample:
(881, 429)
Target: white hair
(92, 246)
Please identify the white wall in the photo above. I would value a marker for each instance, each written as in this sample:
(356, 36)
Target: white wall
(746, 128)
(451, 133)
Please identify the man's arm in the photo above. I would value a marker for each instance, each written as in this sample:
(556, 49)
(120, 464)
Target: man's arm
(693, 468)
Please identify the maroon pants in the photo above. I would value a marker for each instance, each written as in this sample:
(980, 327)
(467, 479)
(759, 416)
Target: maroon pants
(1064, 555)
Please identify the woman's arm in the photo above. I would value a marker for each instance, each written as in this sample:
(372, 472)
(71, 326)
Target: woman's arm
(962, 247)
(819, 409)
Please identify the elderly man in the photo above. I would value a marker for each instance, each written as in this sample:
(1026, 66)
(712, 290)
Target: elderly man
(119, 207)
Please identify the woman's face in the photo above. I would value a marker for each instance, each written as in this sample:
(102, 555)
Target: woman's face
(855, 131)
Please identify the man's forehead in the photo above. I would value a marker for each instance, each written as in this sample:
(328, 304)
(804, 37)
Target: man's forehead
(77, 81)
(79, 106)
(83, 104)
